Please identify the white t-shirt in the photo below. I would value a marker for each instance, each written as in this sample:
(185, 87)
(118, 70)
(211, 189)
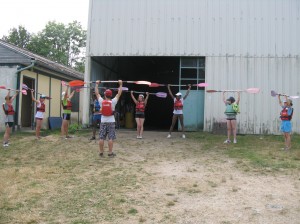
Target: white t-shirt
(107, 119)
(39, 114)
(178, 111)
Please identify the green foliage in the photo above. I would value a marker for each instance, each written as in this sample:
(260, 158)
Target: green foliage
(74, 127)
(64, 44)
(18, 36)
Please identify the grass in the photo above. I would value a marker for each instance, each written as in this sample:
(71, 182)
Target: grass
(54, 181)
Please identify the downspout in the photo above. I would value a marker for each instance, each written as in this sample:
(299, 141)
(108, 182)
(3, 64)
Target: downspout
(18, 72)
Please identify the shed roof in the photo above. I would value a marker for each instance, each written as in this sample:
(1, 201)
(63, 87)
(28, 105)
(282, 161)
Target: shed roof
(21, 56)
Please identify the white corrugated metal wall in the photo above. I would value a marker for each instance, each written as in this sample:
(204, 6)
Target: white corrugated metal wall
(247, 43)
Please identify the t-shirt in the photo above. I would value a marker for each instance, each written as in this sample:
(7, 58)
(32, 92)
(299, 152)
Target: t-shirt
(39, 114)
(178, 111)
(97, 106)
(111, 118)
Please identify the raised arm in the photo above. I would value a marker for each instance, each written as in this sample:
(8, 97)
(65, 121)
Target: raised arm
(14, 96)
(32, 97)
(279, 100)
(120, 89)
(238, 97)
(224, 99)
(66, 93)
(72, 94)
(133, 98)
(97, 90)
(170, 92)
(187, 92)
(147, 96)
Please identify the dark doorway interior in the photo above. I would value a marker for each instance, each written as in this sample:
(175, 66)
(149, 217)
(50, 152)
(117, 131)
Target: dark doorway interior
(27, 105)
(162, 70)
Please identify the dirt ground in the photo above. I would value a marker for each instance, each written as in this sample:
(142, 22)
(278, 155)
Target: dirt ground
(188, 185)
(158, 180)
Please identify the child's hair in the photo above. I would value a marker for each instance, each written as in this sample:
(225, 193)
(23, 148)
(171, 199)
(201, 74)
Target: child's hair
(231, 99)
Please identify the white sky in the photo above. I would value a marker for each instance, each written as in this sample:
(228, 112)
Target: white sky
(34, 14)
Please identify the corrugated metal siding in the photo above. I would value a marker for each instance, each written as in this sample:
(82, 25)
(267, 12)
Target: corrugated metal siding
(259, 112)
(258, 28)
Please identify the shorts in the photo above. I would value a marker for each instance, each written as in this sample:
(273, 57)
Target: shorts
(140, 115)
(230, 117)
(38, 118)
(9, 124)
(66, 116)
(97, 118)
(109, 129)
(286, 126)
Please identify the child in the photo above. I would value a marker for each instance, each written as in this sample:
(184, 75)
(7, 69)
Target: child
(140, 107)
(107, 125)
(96, 115)
(286, 116)
(67, 109)
(178, 110)
(9, 118)
(40, 109)
(231, 113)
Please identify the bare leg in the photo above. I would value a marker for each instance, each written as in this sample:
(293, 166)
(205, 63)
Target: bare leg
(138, 126)
(142, 120)
(233, 127)
(110, 146)
(174, 119)
(94, 128)
(6, 134)
(38, 127)
(181, 122)
(228, 129)
(101, 145)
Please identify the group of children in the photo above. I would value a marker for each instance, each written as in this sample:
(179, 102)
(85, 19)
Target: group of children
(103, 114)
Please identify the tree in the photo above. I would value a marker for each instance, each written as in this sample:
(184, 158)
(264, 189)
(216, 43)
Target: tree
(61, 43)
(18, 36)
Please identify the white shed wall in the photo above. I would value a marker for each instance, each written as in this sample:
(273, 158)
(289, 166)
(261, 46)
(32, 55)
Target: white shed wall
(258, 28)
(259, 112)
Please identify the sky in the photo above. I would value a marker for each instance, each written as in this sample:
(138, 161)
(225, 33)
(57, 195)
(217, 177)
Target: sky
(35, 14)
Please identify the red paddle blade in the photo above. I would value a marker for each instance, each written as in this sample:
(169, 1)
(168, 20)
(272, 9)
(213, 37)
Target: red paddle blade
(161, 94)
(2, 87)
(153, 84)
(253, 90)
(273, 93)
(76, 83)
(211, 91)
(202, 84)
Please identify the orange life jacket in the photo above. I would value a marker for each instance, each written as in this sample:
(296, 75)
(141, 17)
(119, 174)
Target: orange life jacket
(42, 108)
(284, 116)
(140, 106)
(178, 105)
(106, 108)
(68, 106)
(10, 110)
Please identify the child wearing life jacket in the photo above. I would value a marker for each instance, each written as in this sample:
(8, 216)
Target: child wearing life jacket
(96, 115)
(286, 115)
(231, 113)
(39, 116)
(178, 109)
(107, 125)
(140, 106)
(67, 109)
(9, 116)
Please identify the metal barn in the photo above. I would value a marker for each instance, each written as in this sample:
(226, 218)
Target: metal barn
(230, 44)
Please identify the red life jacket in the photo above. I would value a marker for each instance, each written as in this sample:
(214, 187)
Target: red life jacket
(140, 106)
(42, 108)
(284, 114)
(178, 105)
(106, 108)
(10, 110)
(68, 106)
